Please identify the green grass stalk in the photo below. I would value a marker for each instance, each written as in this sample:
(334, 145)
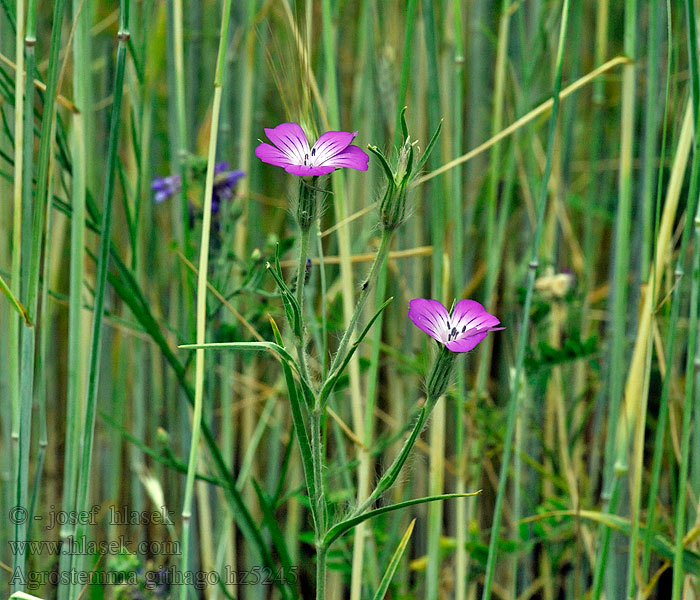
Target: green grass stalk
(42, 362)
(670, 338)
(91, 390)
(438, 193)
(328, 41)
(181, 112)
(203, 270)
(650, 137)
(615, 449)
(13, 331)
(406, 63)
(590, 230)
(76, 353)
(456, 33)
(688, 405)
(522, 340)
(689, 402)
(31, 255)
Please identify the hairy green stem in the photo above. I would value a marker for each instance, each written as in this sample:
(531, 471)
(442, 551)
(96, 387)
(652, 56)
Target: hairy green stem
(320, 573)
(319, 499)
(379, 259)
(301, 280)
(392, 473)
(438, 378)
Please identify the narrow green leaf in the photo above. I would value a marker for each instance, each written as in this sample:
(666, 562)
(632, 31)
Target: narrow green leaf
(258, 346)
(276, 533)
(299, 425)
(344, 526)
(291, 304)
(4, 288)
(394, 563)
(663, 546)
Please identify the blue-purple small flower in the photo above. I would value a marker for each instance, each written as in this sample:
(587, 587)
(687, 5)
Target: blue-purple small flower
(165, 187)
(225, 181)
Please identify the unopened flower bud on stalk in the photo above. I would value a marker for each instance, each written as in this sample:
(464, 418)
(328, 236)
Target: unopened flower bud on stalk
(392, 208)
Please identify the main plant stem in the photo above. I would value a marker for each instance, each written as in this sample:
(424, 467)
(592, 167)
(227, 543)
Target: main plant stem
(301, 280)
(393, 471)
(319, 500)
(320, 573)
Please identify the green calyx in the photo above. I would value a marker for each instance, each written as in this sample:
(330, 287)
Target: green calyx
(307, 204)
(440, 373)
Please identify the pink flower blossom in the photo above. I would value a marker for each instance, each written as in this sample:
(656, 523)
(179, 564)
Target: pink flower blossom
(291, 151)
(461, 331)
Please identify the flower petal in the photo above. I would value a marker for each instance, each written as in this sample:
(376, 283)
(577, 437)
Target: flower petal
(330, 144)
(271, 155)
(291, 140)
(469, 316)
(431, 317)
(303, 170)
(467, 343)
(353, 157)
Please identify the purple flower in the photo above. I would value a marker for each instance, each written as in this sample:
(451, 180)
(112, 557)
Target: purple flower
(461, 331)
(291, 151)
(165, 187)
(224, 184)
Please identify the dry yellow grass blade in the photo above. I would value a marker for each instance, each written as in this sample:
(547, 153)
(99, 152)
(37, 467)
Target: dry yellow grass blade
(307, 72)
(635, 377)
(349, 219)
(524, 120)
(345, 428)
(39, 85)
(367, 257)
(223, 300)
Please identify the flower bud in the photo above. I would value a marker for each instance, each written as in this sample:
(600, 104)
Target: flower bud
(392, 208)
(440, 373)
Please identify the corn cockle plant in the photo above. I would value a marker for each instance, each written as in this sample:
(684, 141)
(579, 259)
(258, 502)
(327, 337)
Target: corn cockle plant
(456, 332)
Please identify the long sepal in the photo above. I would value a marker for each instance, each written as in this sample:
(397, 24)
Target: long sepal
(429, 148)
(382, 159)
